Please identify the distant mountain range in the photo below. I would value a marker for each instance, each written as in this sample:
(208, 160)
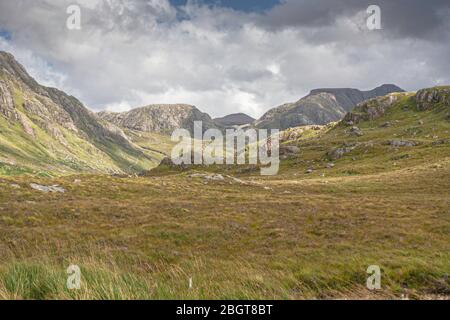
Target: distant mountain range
(235, 119)
(43, 128)
(320, 107)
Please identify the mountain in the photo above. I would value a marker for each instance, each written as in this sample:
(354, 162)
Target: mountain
(160, 118)
(44, 129)
(320, 107)
(235, 119)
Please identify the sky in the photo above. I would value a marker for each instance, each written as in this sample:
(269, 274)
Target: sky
(225, 56)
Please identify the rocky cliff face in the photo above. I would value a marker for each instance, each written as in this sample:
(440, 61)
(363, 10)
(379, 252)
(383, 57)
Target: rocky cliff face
(159, 118)
(51, 129)
(320, 107)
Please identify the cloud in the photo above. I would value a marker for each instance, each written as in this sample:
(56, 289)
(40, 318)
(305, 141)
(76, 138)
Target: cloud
(401, 18)
(131, 53)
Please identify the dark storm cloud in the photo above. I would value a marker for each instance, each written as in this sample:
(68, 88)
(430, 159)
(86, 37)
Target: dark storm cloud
(400, 18)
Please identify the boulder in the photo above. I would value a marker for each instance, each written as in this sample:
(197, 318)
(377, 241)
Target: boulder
(338, 153)
(402, 143)
(355, 131)
(47, 189)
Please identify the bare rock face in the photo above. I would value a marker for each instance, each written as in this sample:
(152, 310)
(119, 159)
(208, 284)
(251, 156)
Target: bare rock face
(427, 98)
(160, 118)
(320, 107)
(6, 102)
(371, 110)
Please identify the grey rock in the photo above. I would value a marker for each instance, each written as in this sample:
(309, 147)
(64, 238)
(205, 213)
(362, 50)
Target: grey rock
(402, 143)
(289, 150)
(355, 131)
(47, 189)
(338, 153)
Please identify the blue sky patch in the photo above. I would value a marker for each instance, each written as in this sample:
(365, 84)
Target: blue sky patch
(5, 34)
(241, 5)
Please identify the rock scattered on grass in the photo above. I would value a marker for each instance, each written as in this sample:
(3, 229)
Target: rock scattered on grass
(47, 189)
(338, 153)
(212, 177)
(355, 131)
(402, 143)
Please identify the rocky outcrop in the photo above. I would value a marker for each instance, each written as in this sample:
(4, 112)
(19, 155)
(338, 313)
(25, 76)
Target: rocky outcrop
(320, 107)
(428, 98)
(371, 109)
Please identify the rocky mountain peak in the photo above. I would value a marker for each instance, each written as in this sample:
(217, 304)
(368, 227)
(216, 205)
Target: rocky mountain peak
(321, 106)
(10, 66)
(161, 118)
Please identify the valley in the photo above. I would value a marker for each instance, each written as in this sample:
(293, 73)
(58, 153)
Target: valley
(372, 189)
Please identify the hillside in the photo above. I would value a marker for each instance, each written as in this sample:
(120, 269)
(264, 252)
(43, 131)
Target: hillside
(320, 107)
(45, 130)
(384, 134)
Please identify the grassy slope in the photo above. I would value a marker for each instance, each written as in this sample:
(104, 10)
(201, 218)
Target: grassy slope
(154, 144)
(43, 154)
(294, 235)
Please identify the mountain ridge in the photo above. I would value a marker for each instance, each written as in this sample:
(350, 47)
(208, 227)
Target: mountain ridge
(51, 129)
(160, 118)
(320, 106)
